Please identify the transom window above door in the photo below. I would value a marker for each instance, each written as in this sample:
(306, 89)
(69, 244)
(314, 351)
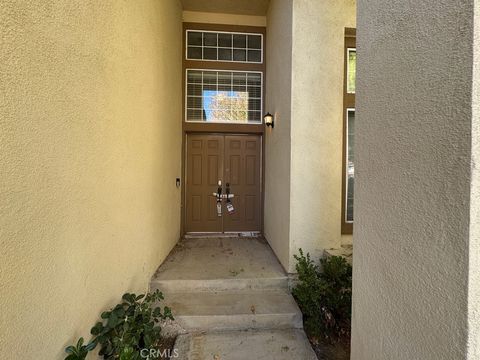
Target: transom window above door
(223, 96)
(224, 46)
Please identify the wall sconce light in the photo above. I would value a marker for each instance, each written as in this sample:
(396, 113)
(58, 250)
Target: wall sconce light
(268, 118)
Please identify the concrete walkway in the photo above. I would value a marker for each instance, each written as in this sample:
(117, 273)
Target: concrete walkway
(230, 298)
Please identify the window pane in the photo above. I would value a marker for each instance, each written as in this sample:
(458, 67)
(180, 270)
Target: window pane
(225, 78)
(210, 77)
(225, 40)
(255, 105)
(351, 70)
(194, 115)
(194, 38)
(210, 39)
(240, 41)
(210, 53)
(194, 52)
(254, 116)
(195, 77)
(254, 42)
(254, 92)
(254, 79)
(350, 176)
(223, 96)
(224, 87)
(209, 87)
(254, 56)
(225, 54)
(239, 55)
(194, 89)
(239, 88)
(240, 78)
(194, 102)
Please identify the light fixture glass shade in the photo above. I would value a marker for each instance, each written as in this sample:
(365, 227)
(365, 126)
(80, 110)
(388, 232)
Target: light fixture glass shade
(268, 118)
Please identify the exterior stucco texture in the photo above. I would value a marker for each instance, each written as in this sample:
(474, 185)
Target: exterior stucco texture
(277, 140)
(474, 245)
(304, 89)
(413, 180)
(90, 141)
(317, 124)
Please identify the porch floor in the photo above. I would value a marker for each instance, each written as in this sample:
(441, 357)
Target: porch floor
(221, 258)
(230, 295)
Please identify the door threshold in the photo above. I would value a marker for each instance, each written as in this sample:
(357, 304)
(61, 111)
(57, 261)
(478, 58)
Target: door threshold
(223, 235)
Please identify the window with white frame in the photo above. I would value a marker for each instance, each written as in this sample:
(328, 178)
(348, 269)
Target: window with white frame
(223, 96)
(348, 182)
(224, 46)
(224, 74)
(350, 168)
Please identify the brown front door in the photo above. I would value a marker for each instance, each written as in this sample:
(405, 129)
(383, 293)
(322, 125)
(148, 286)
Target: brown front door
(234, 160)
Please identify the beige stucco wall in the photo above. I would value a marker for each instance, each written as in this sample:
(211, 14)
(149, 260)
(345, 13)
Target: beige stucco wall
(89, 151)
(277, 140)
(220, 18)
(305, 45)
(317, 127)
(416, 208)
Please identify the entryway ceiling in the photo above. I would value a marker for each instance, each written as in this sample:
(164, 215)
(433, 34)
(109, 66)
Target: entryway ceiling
(242, 7)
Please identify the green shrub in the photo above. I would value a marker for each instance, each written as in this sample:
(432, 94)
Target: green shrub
(126, 329)
(79, 351)
(324, 294)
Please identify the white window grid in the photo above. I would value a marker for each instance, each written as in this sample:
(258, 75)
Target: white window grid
(221, 47)
(202, 83)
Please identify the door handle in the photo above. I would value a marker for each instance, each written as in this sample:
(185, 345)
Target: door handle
(228, 195)
(218, 195)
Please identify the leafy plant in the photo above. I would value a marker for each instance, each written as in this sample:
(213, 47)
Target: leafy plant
(128, 328)
(324, 294)
(79, 351)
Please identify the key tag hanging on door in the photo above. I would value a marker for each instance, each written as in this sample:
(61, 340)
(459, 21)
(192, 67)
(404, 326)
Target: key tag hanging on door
(230, 207)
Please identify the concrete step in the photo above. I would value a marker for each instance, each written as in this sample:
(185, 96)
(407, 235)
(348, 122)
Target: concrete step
(241, 345)
(225, 284)
(234, 310)
(217, 264)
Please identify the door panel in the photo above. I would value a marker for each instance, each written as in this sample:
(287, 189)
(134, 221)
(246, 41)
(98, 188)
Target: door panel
(242, 172)
(234, 159)
(205, 156)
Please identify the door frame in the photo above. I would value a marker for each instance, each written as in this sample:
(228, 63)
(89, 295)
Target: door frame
(221, 128)
(222, 133)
